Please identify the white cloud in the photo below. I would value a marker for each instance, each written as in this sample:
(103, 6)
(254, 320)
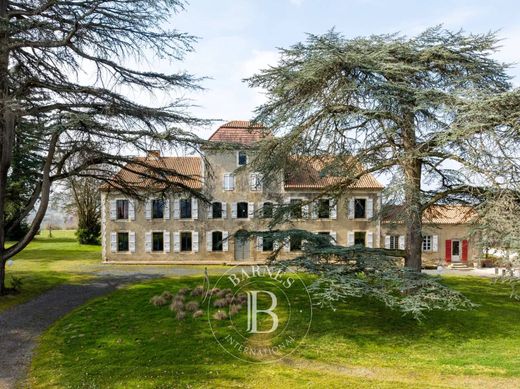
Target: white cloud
(261, 59)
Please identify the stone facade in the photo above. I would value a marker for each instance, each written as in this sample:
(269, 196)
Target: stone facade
(176, 229)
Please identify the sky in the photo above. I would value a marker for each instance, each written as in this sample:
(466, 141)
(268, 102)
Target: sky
(237, 38)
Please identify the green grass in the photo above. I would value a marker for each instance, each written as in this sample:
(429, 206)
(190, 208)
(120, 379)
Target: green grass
(121, 341)
(47, 262)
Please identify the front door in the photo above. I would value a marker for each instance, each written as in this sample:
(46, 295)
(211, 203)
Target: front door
(241, 247)
(455, 250)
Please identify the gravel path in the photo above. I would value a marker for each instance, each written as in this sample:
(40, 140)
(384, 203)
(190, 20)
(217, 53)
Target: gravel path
(21, 325)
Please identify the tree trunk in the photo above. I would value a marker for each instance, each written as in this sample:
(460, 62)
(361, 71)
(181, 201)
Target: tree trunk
(412, 168)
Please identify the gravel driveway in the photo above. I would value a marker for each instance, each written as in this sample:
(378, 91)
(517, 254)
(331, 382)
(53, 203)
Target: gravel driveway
(21, 325)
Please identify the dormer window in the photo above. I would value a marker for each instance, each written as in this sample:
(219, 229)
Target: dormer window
(242, 158)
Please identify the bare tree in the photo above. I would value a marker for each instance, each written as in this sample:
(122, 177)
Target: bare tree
(79, 127)
(86, 204)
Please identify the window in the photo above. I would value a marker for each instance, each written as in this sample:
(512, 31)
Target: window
(157, 241)
(122, 241)
(360, 208)
(267, 210)
(122, 209)
(427, 243)
(359, 238)
(216, 210)
(394, 242)
(229, 181)
(267, 243)
(157, 208)
(324, 209)
(296, 243)
(324, 233)
(216, 241)
(185, 241)
(242, 158)
(185, 205)
(296, 209)
(242, 212)
(255, 182)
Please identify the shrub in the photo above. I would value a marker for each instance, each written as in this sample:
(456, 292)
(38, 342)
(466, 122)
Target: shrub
(192, 306)
(176, 306)
(198, 291)
(198, 313)
(90, 235)
(221, 303)
(167, 295)
(180, 315)
(220, 315)
(234, 309)
(158, 301)
(214, 291)
(179, 297)
(184, 291)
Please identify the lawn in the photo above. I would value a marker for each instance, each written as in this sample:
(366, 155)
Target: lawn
(122, 341)
(47, 262)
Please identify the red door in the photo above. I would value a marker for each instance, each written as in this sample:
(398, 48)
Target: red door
(464, 250)
(448, 251)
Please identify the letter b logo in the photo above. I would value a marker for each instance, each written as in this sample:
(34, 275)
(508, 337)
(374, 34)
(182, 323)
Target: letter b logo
(253, 311)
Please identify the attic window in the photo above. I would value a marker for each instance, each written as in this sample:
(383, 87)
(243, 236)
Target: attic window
(242, 158)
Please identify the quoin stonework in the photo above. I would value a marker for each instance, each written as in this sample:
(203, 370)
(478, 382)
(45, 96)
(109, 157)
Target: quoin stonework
(181, 229)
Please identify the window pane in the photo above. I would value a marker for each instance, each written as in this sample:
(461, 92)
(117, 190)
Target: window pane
(296, 210)
(359, 237)
(216, 240)
(427, 243)
(185, 208)
(242, 210)
(157, 241)
(217, 210)
(267, 243)
(242, 158)
(360, 205)
(324, 209)
(122, 241)
(267, 210)
(394, 242)
(157, 208)
(122, 209)
(185, 241)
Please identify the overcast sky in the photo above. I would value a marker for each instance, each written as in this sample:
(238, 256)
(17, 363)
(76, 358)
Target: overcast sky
(239, 37)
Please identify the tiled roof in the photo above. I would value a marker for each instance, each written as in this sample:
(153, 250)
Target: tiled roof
(240, 131)
(308, 173)
(436, 214)
(186, 171)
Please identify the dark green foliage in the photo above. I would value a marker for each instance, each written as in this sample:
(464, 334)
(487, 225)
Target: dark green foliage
(90, 234)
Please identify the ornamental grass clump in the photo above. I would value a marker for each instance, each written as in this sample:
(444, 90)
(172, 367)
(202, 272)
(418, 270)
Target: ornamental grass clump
(197, 291)
(234, 309)
(176, 306)
(198, 313)
(220, 315)
(184, 291)
(158, 301)
(221, 303)
(192, 306)
(181, 315)
(167, 295)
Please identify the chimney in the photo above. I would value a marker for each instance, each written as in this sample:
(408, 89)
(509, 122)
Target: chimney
(153, 154)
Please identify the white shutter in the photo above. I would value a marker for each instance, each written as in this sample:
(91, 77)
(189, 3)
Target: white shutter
(131, 241)
(194, 208)
(225, 241)
(195, 241)
(334, 237)
(435, 243)
(401, 242)
(351, 208)
(252, 182)
(210, 211)
(259, 243)
(148, 209)
(233, 210)
(113, 242)
(225, 184)
(334, 211)
(305, 211)
(350, 238)
(176, 241)
(370, 239)
(209, 241)
(131, 209)
(370, 208)
(314, 210)
(250, 210)
(166, 241)
(387, 241)
(113, 210)
(148, 242)
(176, 209)
(287, 245)
(224, 210)
(166, 209)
